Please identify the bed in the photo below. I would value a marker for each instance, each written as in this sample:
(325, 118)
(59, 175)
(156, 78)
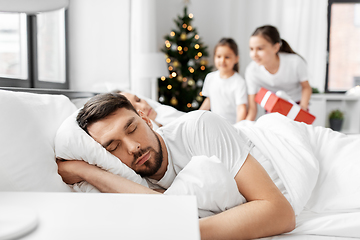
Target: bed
(30, 125)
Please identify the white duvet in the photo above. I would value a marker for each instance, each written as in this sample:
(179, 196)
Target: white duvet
(319, 168)
(331, 197)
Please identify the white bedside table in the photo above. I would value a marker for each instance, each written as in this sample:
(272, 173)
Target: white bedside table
(108, 216)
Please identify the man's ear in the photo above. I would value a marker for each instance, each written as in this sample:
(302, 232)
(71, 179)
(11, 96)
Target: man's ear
(145, 118)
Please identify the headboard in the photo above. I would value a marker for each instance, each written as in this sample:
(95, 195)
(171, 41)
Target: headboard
(69, 93)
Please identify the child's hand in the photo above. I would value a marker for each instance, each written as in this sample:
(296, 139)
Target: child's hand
(304, 107)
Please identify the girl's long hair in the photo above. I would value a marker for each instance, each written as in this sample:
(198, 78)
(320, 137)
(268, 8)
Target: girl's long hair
(272, 35)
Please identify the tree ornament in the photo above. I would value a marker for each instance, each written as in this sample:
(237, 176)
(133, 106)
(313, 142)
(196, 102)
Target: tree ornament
(191, 82)
(161, 99)
(195, 104)
(175, 63)
(183, 36)
(200, 83)
(179, 78)
(204, 62)
(191, 63)
(173, 101)
(173, 47)
(199, 98)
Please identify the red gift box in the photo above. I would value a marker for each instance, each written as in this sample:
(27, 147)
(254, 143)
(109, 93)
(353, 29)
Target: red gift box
(272, 103)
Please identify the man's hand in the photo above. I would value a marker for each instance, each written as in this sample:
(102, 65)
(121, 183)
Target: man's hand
(67, 170)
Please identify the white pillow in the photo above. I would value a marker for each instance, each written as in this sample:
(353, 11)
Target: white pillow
(73, 143)
(28, 125)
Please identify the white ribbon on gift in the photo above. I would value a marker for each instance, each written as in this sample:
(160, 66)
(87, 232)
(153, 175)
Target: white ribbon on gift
(295, 109)
(265, 99)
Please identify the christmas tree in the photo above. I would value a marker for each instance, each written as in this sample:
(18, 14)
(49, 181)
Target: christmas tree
(187, 64)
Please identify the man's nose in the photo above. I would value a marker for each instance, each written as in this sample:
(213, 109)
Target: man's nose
(133, 147)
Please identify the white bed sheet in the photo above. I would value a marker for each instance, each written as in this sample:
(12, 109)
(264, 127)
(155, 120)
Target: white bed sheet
(333, 210)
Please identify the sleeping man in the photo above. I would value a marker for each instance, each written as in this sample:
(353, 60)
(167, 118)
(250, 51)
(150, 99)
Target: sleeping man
(272, 199)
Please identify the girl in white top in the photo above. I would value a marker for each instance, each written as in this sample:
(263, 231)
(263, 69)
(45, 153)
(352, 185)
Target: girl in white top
(275, 66)
(225, 89)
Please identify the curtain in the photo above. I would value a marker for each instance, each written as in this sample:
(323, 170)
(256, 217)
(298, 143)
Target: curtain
(142, 41)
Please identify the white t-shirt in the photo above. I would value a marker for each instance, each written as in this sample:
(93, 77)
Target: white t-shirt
(202, 133)
(225, 94)
(165, 113)
(292, 71)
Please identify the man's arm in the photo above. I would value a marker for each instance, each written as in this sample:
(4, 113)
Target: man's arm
(76, 171)
(266, 213)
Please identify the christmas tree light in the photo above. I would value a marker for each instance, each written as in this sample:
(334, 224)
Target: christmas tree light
(187, 65)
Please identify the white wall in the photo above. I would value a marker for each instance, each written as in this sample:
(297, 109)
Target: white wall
(99, 31)
(98, 38)
(302, 23)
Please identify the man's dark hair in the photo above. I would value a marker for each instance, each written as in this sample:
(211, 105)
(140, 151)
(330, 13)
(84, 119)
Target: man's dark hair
(101, 106)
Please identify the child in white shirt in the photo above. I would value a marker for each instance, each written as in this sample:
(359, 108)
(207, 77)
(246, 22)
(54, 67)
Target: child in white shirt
(225, 89)
(275, 66)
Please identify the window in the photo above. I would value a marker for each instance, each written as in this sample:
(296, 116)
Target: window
(33, 50)
(343, 68)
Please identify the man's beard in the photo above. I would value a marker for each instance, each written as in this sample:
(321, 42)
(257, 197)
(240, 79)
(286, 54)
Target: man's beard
(151, 166)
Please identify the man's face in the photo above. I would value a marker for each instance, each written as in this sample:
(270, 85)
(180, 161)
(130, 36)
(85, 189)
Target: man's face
(129, 137)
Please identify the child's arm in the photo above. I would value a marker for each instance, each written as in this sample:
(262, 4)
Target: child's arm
(252, 108)
(206, 104)
(240, 112)
(305, 95)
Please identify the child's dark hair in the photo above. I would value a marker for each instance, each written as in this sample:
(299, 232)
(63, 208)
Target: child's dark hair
(232, 45)
(272, 35)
